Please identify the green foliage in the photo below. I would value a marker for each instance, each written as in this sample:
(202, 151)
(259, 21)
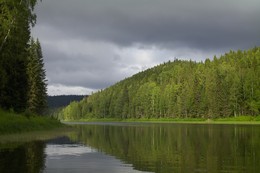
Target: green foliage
(62, 100)
(15, 20)
(16, 123)
(37, 93)
(228, 86)
(239, 118)
(22, 76)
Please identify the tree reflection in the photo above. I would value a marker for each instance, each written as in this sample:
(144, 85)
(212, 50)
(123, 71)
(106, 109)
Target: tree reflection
(24, 158)
(171, 148)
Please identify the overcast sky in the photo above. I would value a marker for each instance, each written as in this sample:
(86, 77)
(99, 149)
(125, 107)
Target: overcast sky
(91, 44)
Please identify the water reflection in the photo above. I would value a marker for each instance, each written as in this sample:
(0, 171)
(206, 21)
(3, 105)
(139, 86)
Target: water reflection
(22, 158)
(70, 157)
(166, 148)
(138, 148)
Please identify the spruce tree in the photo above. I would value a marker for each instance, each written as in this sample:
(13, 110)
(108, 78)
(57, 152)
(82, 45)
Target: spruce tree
(36, 79)
(223, 87)
(15, 21)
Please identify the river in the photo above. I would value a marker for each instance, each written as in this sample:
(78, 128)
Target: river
(137, 148)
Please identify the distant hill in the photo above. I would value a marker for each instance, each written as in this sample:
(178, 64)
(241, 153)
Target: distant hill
(62, 100)
(222, 87)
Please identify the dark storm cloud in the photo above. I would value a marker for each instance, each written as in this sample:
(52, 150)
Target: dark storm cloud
(80, 70)
(94, 43)
(194, 23)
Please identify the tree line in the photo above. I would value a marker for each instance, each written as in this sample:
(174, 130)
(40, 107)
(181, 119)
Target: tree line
(22, 74)
(60, 101)
(227, 86)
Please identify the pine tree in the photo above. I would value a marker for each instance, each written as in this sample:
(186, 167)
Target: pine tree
(36, 79)
(222, 87)
(15, 21)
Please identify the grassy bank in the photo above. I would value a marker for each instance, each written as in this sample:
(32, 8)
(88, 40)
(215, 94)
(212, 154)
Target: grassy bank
(229, 120)
(16, 123)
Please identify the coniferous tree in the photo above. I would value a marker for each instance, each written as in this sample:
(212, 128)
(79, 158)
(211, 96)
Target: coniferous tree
(36, 79)
(223, 87)
(15, 21)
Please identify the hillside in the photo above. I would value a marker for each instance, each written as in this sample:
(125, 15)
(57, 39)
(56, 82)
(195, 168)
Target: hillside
(62, 100)
(223, 87)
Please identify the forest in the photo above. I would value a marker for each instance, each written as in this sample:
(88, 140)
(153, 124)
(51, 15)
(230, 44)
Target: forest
(62, 100)
(22, 74)
(225, 86)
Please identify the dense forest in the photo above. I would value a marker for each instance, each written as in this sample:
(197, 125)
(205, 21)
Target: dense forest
(62, 100)
(22, 74)
(222, 87)
(56, 103)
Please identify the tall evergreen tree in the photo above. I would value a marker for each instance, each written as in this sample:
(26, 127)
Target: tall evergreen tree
(222, 87)
(36, 79)
(16, 18)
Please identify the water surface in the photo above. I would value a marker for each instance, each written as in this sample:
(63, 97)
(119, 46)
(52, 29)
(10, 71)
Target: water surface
(137, 148)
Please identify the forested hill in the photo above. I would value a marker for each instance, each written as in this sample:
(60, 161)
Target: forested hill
(222, 87)
(62, 100)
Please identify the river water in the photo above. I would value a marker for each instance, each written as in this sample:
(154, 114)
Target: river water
(137, 148)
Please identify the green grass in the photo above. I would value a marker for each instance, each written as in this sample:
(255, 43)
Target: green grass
(239, 120)
(17, 123)
(228, 120)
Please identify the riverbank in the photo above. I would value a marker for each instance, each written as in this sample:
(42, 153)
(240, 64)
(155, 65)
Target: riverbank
(17, 123)
(229, 120)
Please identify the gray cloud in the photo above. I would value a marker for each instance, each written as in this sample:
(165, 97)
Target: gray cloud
(94, 43)
(201, 24)
(93, 71)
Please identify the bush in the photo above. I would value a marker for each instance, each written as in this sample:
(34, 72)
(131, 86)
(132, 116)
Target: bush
(11, 122)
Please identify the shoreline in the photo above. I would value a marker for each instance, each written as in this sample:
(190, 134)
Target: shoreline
(243, 120)
(14, 123)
